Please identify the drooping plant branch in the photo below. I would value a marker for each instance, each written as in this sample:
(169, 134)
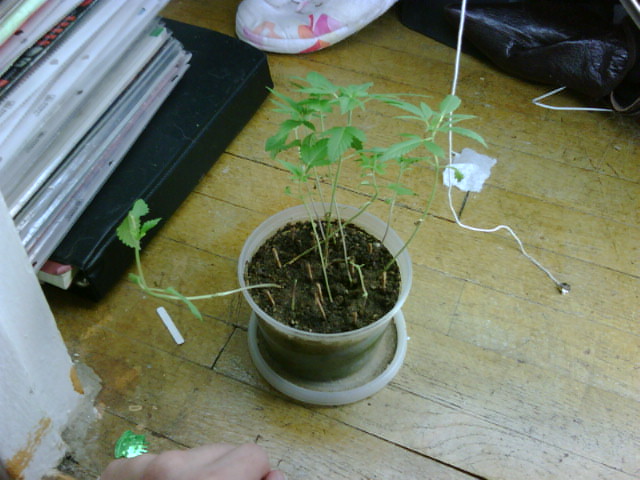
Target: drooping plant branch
(131, 232)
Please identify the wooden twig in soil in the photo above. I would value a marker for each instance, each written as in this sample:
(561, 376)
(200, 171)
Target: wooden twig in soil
(319, 304)
(270, 297)
(309, 271)
(293, 295)
(276, 256)
(319, 290)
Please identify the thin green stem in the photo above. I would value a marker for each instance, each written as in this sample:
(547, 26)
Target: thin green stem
(423, 216)
(323, 260)
(392, 204)
(358, 268)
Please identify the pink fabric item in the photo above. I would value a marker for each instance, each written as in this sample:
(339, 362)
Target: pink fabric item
(302, 26)
(324, 25)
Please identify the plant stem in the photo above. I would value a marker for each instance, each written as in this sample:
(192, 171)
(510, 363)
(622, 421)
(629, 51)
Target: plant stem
(423, 216)
(323, 260)
(358, 268)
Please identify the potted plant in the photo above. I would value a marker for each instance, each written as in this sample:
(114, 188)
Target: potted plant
(332, 332)
(326, 281)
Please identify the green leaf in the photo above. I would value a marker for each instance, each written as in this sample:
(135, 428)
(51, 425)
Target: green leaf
(278, 142)
(459, 118)
(372, 162)
(297, 173)
(465, 132)
(427, 113)
(409, 107)
(287, 104)
(406, 162)
(192, 308)
(420, 112)
(148, 225)
(343, 138)
(318, 85)
(400, 149)
(317, 105)
(408, 117)
(400, 189)
(128, 231)
(434, 148)
(313, 153)
(449, 104)
(139, 209)
(351, 97)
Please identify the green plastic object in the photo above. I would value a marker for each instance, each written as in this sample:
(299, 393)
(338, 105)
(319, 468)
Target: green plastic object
(130, 445)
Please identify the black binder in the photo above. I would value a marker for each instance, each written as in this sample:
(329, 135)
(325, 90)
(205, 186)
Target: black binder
(224, 86)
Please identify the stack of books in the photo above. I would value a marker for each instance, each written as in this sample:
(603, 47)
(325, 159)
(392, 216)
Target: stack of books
(79, 82)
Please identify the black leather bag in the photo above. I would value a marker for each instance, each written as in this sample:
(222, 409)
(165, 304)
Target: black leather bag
(576, 44)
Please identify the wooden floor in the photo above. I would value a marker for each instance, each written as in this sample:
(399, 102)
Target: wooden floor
(504, 377)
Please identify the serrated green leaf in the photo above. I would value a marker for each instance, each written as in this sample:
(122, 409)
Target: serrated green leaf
(127, 233)
(278, 142)
(139, 209)
(314, 153)
(343, 138)
(402, 148)
(148, 225)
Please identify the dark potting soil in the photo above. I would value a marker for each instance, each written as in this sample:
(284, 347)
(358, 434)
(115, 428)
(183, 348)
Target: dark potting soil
(303, 301)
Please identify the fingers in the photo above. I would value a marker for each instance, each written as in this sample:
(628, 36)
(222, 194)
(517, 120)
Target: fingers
(127, 468)
(210, 462)
(275, 475)
(247, 461)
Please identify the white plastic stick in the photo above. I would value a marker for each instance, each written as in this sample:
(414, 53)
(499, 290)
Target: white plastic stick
(168, 322)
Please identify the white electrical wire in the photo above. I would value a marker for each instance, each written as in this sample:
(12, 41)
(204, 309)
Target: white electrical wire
(564, 288)
(537, 101)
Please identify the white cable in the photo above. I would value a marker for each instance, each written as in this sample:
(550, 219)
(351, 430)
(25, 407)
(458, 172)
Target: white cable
(536, 101)
(564, 288)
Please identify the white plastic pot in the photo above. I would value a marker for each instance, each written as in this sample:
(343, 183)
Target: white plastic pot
(327, 368)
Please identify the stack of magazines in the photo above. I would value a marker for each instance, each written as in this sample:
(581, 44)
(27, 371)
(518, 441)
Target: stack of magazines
(79, 81)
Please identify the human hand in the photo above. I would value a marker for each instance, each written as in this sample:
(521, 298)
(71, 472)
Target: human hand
(218, 461)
